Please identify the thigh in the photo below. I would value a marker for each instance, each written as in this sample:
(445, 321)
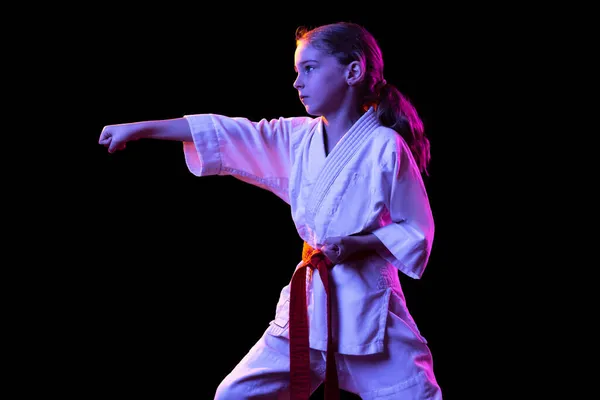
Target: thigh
(264, 372)
(403, 371)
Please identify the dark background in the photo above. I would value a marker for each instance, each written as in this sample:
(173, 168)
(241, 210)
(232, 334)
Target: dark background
(184, 273)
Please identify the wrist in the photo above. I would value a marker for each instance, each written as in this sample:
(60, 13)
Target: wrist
(366, 242)
(141, 130)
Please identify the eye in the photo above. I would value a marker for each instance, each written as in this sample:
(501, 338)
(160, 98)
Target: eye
(308, 68)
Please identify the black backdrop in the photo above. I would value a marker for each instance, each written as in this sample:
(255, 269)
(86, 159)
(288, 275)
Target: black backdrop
(185, 272)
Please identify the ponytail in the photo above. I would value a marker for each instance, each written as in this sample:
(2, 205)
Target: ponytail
(396, 112)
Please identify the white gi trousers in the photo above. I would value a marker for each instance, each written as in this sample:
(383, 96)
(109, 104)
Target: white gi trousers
(404, 371)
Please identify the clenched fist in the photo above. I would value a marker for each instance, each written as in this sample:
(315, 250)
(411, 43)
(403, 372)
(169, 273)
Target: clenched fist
(339, 248)
(114, 137)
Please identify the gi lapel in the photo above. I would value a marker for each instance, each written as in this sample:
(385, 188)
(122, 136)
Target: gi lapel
(342, 153)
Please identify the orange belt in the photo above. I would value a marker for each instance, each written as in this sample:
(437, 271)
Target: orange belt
(299, 343)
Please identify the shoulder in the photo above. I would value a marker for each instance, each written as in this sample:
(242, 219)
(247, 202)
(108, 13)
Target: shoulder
(302, 123)
(293, 122)
(389, 140)
(288, 125)
(393, 149)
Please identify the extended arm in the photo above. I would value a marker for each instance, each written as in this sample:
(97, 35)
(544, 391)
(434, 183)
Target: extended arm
(114, 137)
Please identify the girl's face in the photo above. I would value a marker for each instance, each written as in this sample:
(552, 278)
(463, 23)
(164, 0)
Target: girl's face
(321, 80)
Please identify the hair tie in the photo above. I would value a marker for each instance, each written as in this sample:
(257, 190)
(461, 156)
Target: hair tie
(380, 85)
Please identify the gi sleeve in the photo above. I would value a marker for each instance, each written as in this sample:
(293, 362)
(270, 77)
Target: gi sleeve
(408, 228)
(254, 152)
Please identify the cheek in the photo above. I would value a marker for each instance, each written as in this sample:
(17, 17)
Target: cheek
(335, 82)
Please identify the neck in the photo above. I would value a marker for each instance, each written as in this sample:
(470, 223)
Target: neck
(337, 124)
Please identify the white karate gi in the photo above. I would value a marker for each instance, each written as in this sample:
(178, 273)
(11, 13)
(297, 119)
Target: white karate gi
(368, 183)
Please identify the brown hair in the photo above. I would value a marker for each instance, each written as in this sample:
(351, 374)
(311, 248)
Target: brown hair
(351, 42)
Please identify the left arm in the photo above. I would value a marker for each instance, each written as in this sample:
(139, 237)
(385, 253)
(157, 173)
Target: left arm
(406, 228)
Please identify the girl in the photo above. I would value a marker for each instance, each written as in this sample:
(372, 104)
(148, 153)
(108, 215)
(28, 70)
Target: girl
(351, 172)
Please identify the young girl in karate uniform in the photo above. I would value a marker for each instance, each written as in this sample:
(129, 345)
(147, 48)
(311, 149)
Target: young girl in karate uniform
(351, 172)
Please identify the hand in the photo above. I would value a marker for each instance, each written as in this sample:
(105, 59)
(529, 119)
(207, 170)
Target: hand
(114, 137)
(340, 248)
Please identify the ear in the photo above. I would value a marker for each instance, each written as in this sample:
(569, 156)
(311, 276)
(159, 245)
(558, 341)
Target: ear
(354, 73)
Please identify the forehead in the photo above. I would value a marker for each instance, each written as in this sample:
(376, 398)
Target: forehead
(305, 52)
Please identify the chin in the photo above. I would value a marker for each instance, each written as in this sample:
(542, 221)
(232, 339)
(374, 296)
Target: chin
(312, 111)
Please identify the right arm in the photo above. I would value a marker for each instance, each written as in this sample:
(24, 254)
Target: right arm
(114, 137)
(254, 152)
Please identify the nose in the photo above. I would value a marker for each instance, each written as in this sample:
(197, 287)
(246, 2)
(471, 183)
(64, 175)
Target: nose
(297, 83)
